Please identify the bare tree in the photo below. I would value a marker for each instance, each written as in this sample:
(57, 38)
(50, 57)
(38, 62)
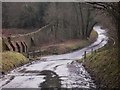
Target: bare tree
(87, 18)
(72, 20)
(113, 10)
(109, 7)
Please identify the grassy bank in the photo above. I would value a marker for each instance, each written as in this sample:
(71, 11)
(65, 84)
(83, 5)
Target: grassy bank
(103, 67)
(10, 60)
(67, 46)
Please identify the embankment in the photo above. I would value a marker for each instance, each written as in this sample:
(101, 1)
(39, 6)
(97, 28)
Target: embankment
(103, 67)
(10, 60)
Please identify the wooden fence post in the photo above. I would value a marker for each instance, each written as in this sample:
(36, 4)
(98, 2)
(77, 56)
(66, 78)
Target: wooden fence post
(28, 55)
(92, 51)
(95, 51)
(84, 55)
(33, 53)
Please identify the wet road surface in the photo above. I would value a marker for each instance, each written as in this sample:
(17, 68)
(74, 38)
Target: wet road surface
(55, 71)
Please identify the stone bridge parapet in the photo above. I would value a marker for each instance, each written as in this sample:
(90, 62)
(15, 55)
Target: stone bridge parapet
(25, 42)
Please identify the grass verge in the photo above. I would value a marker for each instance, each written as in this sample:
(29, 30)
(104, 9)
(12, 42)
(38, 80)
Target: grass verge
(103, 67)
(11, 60)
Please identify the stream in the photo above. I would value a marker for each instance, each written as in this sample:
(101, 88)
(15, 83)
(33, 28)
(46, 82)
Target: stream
(55, 71)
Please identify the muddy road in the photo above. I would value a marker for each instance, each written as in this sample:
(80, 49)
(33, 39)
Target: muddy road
(60, 71)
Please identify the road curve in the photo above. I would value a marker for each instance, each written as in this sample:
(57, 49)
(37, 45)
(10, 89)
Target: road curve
(60, 71)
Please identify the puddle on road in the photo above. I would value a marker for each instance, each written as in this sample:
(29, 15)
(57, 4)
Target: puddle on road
(52, 74)
(65, 74)
(52, 80)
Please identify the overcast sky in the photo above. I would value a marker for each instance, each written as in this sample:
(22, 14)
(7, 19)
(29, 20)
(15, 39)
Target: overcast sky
(59, 0)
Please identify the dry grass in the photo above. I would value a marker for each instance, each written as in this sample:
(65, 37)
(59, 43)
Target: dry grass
(104, 67)
(68, 46)
(10, 60)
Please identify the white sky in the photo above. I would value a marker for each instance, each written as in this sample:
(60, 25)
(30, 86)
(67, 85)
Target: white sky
(60, 0)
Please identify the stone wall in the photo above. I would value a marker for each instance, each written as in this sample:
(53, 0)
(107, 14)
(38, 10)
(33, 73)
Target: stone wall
(25, 42)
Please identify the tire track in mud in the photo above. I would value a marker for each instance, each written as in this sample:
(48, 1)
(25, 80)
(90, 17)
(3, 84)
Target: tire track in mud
(57, 66)
(8, 81)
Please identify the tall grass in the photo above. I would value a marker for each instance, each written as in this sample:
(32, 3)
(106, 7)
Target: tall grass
(10, 60)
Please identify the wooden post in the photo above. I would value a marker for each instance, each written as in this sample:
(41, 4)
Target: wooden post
(84, 55)
(95, 51)
(92, 51)
(27, 55)
(40, 53)
(33, 53)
